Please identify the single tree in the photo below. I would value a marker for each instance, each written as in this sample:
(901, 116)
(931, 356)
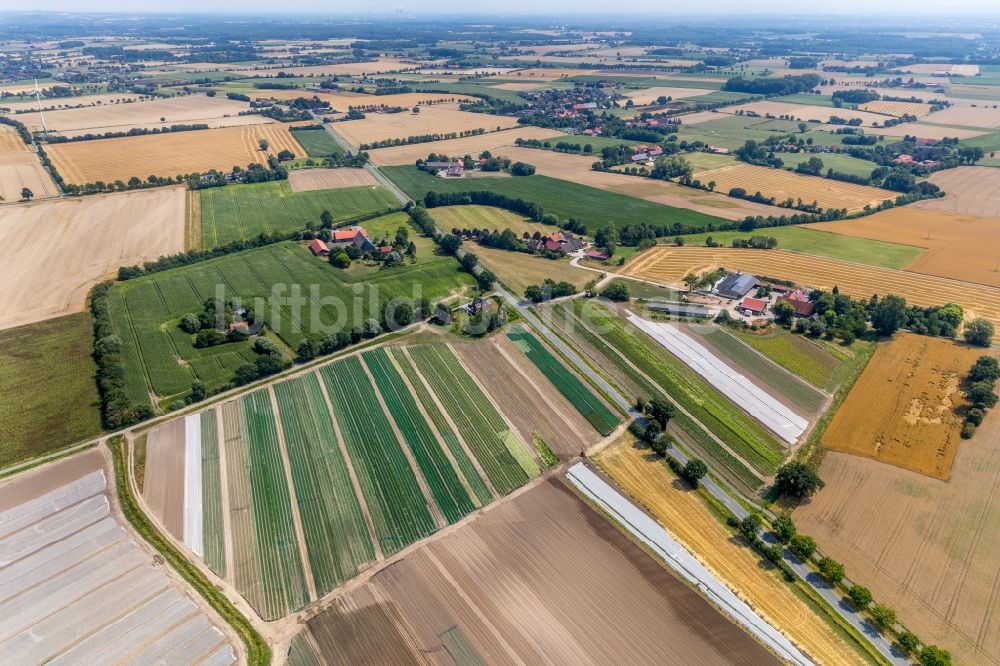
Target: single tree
(802, 546)
(264, 144)
(860, 595)
(784, 528)
(831, 569)
(783, 313)
(661, 411)
(694, 470)
(26, 194)
(979, 331)
(889, 314)
(932, 655)
(883, 616)
(909, 642)
(797, 480)
(750, 526)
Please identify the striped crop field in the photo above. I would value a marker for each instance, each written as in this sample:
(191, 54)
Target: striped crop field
(588, 404)
(336, 537)
(442, 479)
(392, 493)
(500, 452)
(213, 536)
(440, 423)
(741, 432)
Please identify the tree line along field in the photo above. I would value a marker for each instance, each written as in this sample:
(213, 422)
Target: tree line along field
(381, 448)
(169, 154)
(741, 448)
(594, 207)
(242, 212)
(669, 265)
(160, 359)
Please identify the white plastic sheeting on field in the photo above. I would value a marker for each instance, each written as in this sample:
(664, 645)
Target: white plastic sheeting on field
(754, 400)
(192, 484)
(680, 560)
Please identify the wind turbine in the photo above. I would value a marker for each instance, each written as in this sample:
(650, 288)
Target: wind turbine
(38, 98)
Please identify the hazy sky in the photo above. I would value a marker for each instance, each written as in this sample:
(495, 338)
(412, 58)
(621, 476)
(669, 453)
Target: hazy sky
(719, 8)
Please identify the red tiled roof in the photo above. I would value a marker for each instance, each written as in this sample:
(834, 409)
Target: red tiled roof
(348, 234)
(318, 246)
(753, 304)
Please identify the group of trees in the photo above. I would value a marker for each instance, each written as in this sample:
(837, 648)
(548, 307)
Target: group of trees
(770, 86)
(548, 290)
(485, 198)
(979, 387)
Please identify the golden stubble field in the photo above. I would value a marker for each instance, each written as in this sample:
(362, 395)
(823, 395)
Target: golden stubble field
(342, 101)
(973, 190)
(53, 252)
(803, 112)
(925, 547)
(440, 119)
(897, 108)
(169, 154)
(683, 513)
(469, 145)
(669, 265)
(306, 180)
(20, 168)
(782, 185)
(903, 410)
(959, 246)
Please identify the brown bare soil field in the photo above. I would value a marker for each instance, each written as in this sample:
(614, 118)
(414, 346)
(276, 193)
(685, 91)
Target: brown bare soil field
(541, 578)
(380, 66)
(669, 265)
(186, 110)
(968, 116)
(20, 167)
(163, 486)
(803, 112)
(169, 154)
(684, 514)
(53, 252)
(932, 67)
(344, 101)
(902, 410)
(576, 168)
(431, 120)
(925, 547)
(532, 404)
(963, 247)
(305, 180)
(699, 117)
(900, 108)
(649, 95)
(922, 129)
(470, 145)
(783, 185)
(972, 190)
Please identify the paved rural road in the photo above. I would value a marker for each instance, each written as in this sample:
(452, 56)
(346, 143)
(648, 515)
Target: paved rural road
(726, 496)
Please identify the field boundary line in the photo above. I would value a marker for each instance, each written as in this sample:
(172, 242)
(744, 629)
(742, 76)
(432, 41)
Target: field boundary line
(379, 555)
(293, 499)
(404, 447)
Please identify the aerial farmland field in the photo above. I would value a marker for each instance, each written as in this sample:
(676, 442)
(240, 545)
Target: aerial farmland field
(306, 180)
(470, 145)
(20, 168)
(969, 190)
(171, 154)
(441, 119)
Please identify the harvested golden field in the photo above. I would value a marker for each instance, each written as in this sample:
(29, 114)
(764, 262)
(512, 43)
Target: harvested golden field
(897, 109)
(53, 252)
(431, 120)
(184, 110)
(802, 112)
(543, 578)
(669, 265)
(305, 180)
(902, 410)
(650, 95)
(519, 270)
(934, 67)
(547, 73)
(577, 169)
(783, 185)
(922, 129)
(967, 116)
(470, 145)
(517, 87)
(488, 217)
(972, 190)
(342, 101)
(20, 168)
(170, 154)
(925, 547)
(684, 514)
(60, 103)
(380, 66)
(959, 246)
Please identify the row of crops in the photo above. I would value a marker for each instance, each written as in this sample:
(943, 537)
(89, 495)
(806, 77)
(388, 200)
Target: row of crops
(381, 450)
(643, 365)
(588, 404)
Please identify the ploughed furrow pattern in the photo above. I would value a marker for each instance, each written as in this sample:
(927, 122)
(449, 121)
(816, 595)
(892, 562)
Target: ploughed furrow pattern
(441, 477)
(281, 564)
(588, 404)
(469, 471)
(396, 504)
(482, 428)
(337, 539)
(213, 535)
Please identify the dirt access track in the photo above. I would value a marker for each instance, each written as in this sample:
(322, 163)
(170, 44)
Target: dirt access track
(53, 252)
(541, 577)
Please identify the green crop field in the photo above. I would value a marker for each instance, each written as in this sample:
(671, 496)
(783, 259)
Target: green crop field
(571, 325)
(839, 163)
(313, 300)
(815, 241)
(282, 578)
(317, 142)
(48, 397)
(595, 208)
(336, 537)
(241, 212)
(478, 421)
(805, 358)
(397, 506)
(213, 534)
(440, 423)
(442, 480)
(581, 397)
